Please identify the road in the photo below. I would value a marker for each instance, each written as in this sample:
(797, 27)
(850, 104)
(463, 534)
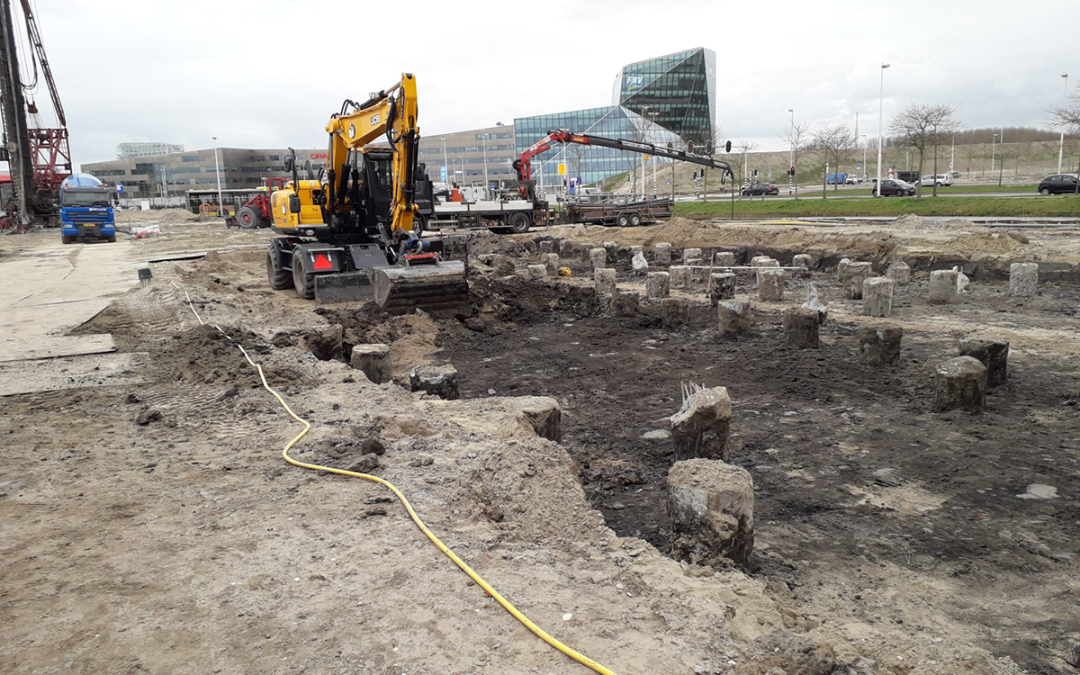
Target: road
(847, 194)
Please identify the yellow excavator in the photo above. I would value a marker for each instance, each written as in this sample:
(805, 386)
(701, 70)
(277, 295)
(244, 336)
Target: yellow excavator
(349, 235)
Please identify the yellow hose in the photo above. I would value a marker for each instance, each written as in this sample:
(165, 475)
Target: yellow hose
(577, 656)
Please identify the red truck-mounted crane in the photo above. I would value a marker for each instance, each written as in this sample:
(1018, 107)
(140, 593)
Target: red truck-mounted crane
(39, 156)
(524, 168)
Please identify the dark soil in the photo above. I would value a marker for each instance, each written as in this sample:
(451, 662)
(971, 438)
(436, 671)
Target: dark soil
(813, 427)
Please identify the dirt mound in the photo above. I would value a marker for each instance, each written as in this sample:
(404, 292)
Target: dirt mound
(514, 299)
(203, 355)
(985, 243)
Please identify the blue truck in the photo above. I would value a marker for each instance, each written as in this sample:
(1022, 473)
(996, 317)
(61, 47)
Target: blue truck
(86, 210)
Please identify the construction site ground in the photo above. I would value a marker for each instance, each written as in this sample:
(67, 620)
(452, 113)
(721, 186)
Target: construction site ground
(150, 525)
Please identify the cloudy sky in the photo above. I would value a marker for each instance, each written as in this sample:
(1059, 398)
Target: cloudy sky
(269, 73)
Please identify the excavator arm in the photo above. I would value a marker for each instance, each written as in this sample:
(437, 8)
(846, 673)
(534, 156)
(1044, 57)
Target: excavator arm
(391, 114)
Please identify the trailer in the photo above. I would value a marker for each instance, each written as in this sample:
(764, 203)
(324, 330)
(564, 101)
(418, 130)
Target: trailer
(622, 214)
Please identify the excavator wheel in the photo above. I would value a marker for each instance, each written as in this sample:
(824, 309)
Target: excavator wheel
(303, 281)
(279, 278)
(248, 218)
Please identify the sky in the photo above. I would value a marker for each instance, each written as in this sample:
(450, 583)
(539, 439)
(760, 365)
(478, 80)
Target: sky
(269, 73)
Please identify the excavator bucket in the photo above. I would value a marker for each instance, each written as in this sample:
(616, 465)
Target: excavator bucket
(438, 288)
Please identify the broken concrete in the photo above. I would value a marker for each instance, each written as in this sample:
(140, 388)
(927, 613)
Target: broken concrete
(442, 381)
(1023, 279)
(680, 276)
(877, 293)
(994, 354)
(770, 284)
(373, 360)
(611, 251)
(943, 286)
(700, 428)
(803, 262)
(598, 258)
(814, 303)
(639, 264)
(711, 506)
(674, 312)
(662, 253)
(840, 267)
(538, 272)
(724, 259)
(658, 285)
(735, 317)
(801, 327)
(624, 304)
(721, 287)
(854, 275)
(880, 346)
(546, 246)
(551, 262)
(604, 280)
(503, 265)
(960, 384)
(900, 272)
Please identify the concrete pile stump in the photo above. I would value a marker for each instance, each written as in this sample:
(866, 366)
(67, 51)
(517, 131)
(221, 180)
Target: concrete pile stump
(373, 360)
(539, 272)
(638, 264)
(700, 428)
(697, 270)
(721, 287)
(711, 507)
(994, 354)
(611, 250)
(943, 287)
(674, 312)
(604, 279)
(662, 253)
(854, 275)
(441, 381)
(840, 267)
(880, 346)
(770, 284)
(546, 246)
(802, 262)
(900, 272)
(801, 327)
(763, 261)
(551, 262)
(1023, 279)
(735, 317)
(690, 254)
(598, 258)
(658, 285)
(724, 259)
(680, 276)
(960, 384)
(877, 294)
(634, 250)
(543, 414)
(624, 304)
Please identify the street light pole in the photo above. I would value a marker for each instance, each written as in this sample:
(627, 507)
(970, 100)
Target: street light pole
(880, 121)
(217, 171)
(791, 154)
(445, 165)
(864, 172)
(483, 144)
(993, 152)
(1061, 147)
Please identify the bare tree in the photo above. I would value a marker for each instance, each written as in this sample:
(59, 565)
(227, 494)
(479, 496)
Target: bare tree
(741, 158)
(1067, 116)
(797, 137)
(832, 141)
(924, 127)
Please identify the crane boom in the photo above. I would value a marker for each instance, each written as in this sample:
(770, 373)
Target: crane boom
(39, 49)
(524, 169)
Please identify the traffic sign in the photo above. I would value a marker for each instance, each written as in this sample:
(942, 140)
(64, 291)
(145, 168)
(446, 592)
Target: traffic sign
(120, 188)
(646, 158)
(442, 174)
(858, 165)
(562, 169)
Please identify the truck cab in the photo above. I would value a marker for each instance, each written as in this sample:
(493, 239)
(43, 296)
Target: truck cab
(86, 210)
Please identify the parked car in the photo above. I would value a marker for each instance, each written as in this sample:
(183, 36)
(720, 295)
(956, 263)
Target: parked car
(760, 189)
(1062, 183)
(956, 175)
(907, 176)
(940, 180)
(894, 188)
(852, 179)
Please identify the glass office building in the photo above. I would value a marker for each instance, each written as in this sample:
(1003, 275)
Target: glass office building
(667, 100)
